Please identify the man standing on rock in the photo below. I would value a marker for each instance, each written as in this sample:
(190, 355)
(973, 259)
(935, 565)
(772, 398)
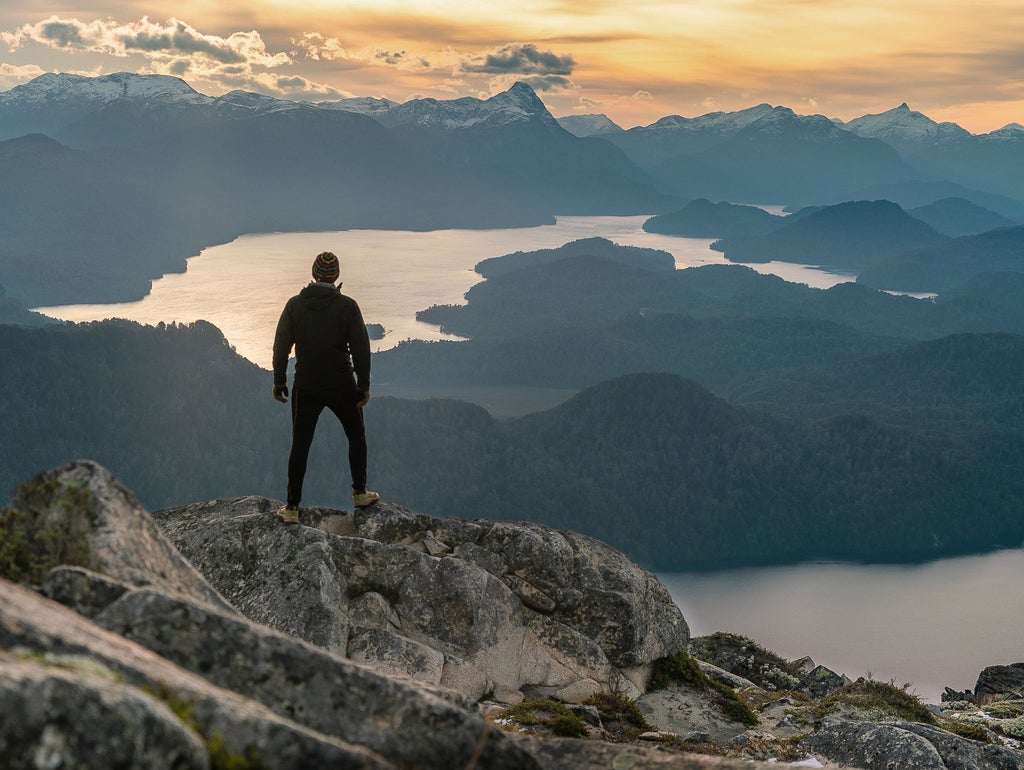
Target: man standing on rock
(331, 343)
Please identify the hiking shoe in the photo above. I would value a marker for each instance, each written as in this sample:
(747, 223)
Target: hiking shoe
(363, 499)
(288, 515)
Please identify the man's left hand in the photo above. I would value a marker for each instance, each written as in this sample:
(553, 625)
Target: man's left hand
(281, 393)
(363, 401)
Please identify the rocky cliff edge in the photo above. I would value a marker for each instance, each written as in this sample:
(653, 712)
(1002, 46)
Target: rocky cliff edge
(212, 635)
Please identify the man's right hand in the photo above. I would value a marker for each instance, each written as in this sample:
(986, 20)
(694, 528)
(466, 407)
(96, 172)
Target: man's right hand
(364, 399)
(281, 393)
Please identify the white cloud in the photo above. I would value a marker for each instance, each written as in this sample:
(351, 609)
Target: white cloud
(315, 46)
(239, 60)
(12, 75)
(641, 96)
(150, 39)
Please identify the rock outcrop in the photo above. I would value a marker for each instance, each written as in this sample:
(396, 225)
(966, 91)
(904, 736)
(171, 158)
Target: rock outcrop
(1000, 683)
(485, 608)
(222, 638)
(907, 746)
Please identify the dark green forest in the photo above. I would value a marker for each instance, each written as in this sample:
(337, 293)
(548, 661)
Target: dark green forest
(652, 463)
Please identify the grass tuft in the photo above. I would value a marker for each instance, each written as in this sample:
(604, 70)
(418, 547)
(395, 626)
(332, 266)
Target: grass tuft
(682, 669)
(543, 712)
(885, 698)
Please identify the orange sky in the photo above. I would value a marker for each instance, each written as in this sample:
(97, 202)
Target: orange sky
(634, 61)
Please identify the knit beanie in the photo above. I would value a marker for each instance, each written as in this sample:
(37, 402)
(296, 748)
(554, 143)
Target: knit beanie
(325, 267)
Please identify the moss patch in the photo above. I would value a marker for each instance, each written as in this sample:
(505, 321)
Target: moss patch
(221, 758)
(541, 712)
(1014, 728)
(682, 669)
(32, 543)
(971, 730)
(1004, 710)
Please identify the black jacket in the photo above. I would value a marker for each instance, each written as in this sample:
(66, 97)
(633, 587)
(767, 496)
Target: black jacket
(330, 340)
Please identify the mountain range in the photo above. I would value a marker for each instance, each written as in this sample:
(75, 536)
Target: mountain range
(115, 180)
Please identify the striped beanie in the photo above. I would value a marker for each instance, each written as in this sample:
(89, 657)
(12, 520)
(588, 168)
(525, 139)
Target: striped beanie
(325, 267)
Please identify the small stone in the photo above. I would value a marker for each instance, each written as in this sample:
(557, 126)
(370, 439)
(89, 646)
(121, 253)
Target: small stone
(579, 691)
(658, 736)
(434, 546)
(507, 696)
(588, 714)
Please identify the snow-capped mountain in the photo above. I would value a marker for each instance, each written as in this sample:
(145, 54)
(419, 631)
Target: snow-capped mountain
(902, 128)
(68, 90)
(248, 102)
(589, 125)
(364, 105)
(519, 104)
(720, 123)
(1011, 132)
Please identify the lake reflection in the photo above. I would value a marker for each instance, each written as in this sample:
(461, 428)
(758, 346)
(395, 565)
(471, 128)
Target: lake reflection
(934, 625)
(241, 286)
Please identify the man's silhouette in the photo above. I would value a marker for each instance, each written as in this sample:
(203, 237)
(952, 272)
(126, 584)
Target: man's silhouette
(331, 344)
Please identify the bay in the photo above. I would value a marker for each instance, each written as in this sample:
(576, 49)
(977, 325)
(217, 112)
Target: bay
(932, 625)
(241, 286)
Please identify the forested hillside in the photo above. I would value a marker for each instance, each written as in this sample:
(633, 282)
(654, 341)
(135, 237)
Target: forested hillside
(653, 464)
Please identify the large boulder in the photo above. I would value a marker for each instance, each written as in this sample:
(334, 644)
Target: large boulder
(298, 681)
(74, 661)
(67, 719)
(506, 607)
(907, 746)
(91, 520)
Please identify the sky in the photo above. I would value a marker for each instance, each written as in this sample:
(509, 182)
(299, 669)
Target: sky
(633, 60)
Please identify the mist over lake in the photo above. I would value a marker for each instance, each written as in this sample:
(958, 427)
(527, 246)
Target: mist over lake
(241, 286)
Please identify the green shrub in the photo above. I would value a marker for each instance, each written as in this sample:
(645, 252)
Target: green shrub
(879, 697)
(1004, 710)
(676, 669)
(32, 543)
(1014, 728)
(621, 717)
(682, 669)
(965, 729)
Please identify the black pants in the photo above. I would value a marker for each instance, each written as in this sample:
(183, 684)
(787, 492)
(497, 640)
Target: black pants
(307, 404)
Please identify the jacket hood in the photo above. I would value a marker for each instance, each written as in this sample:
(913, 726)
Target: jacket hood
(319, 296)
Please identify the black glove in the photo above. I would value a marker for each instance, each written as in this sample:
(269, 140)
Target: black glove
(281, 393)
(363, 398)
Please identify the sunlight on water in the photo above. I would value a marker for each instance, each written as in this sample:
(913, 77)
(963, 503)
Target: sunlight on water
(934, 625)
(241, 286)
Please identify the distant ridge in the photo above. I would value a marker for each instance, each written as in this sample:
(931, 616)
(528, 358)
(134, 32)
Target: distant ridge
(847, 236)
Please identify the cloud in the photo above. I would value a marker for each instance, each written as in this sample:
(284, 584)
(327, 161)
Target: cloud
(12, 75)
(542, 83)
(642, 96)
(239, 60)
(519, 58)
(317, 47)
(151, 39)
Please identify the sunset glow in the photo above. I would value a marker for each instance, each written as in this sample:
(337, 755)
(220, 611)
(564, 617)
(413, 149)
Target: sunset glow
(635, 62)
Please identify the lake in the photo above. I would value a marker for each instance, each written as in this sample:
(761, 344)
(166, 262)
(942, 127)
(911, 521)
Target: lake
(934, 625)
(241, 286)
